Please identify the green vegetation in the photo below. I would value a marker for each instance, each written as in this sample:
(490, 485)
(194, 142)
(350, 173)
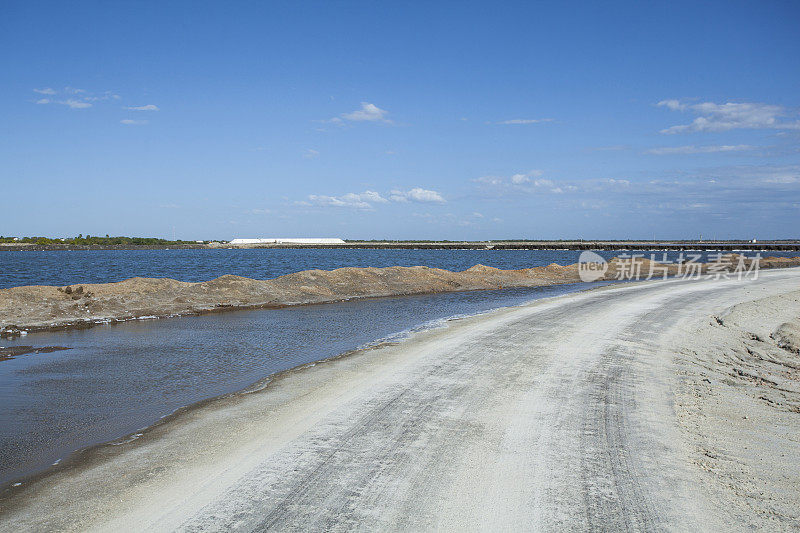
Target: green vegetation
(95, 240)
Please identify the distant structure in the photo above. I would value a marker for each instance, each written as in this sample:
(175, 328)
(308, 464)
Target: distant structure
(287, 241)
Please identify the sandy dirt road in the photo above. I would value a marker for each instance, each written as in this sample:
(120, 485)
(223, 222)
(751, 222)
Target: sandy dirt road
(562, 414)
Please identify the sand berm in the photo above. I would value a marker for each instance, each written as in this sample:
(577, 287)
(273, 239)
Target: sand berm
(40, 307)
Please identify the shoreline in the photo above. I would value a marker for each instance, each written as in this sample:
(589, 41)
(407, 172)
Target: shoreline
(49, 308)
(297, 392)
(107, 449)
(677, 245)
(82, 454)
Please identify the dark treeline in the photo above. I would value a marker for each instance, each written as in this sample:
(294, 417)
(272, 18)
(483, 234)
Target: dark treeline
(94, 239)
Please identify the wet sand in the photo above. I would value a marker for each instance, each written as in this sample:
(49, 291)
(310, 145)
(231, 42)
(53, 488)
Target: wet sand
(10, 352)
(572, 412)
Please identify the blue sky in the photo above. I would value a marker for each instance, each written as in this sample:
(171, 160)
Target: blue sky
(459, 120)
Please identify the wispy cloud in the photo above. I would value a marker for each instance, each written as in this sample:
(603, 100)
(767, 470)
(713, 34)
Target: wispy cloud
(525, 121)
(367, 113)
(362, 200)
(532, 176)
(73, 98)
(670, 150)
(76, 104)
(725, 192)
(532, 182)
(368, 199)
(417, 194)
(148, 107)
(527, 177)
(610, 148)
(729, 116)
(310, 154)
(131, 122)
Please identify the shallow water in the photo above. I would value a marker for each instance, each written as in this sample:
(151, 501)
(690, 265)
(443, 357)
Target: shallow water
(117, 379)
(103, 266)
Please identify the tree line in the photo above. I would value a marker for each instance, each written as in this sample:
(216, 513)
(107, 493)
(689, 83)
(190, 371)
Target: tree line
(93, 239)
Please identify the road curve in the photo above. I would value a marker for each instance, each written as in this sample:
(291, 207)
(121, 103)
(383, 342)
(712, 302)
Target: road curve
(558, 414)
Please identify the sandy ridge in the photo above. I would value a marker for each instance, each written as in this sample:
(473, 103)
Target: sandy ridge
(46, 307)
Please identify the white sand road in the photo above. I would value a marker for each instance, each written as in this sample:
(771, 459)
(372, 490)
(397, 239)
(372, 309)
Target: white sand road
(577, 412)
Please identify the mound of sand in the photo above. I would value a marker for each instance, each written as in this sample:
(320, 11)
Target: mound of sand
(45, 307)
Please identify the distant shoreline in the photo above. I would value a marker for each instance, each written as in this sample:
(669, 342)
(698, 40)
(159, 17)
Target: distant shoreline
(782, 245)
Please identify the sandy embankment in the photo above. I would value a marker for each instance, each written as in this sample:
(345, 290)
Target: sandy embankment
(586, 411)
(45, 307)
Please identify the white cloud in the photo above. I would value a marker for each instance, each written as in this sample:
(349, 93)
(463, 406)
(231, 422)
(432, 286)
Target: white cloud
(362, 200)
(367, 113)
(76, 104)
(669, 150)
(525, 121)
(532, 183)
(334, 201)
(674, 105)
(148, 107)
(81, 99)
(424, 195)
(729, 116)
(544, 183)
(488, 180)
(372, 196)
(417, 194)
(368, 199)
(131, 122)
(518, 179)
(729, 191)
(310, 154)
(611, 182)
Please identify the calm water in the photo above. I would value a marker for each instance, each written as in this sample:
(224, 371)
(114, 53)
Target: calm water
(115, 380)
(102, 266)
(119, 378)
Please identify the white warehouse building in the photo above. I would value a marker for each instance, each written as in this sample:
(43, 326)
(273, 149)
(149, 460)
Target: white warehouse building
(288, 241)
